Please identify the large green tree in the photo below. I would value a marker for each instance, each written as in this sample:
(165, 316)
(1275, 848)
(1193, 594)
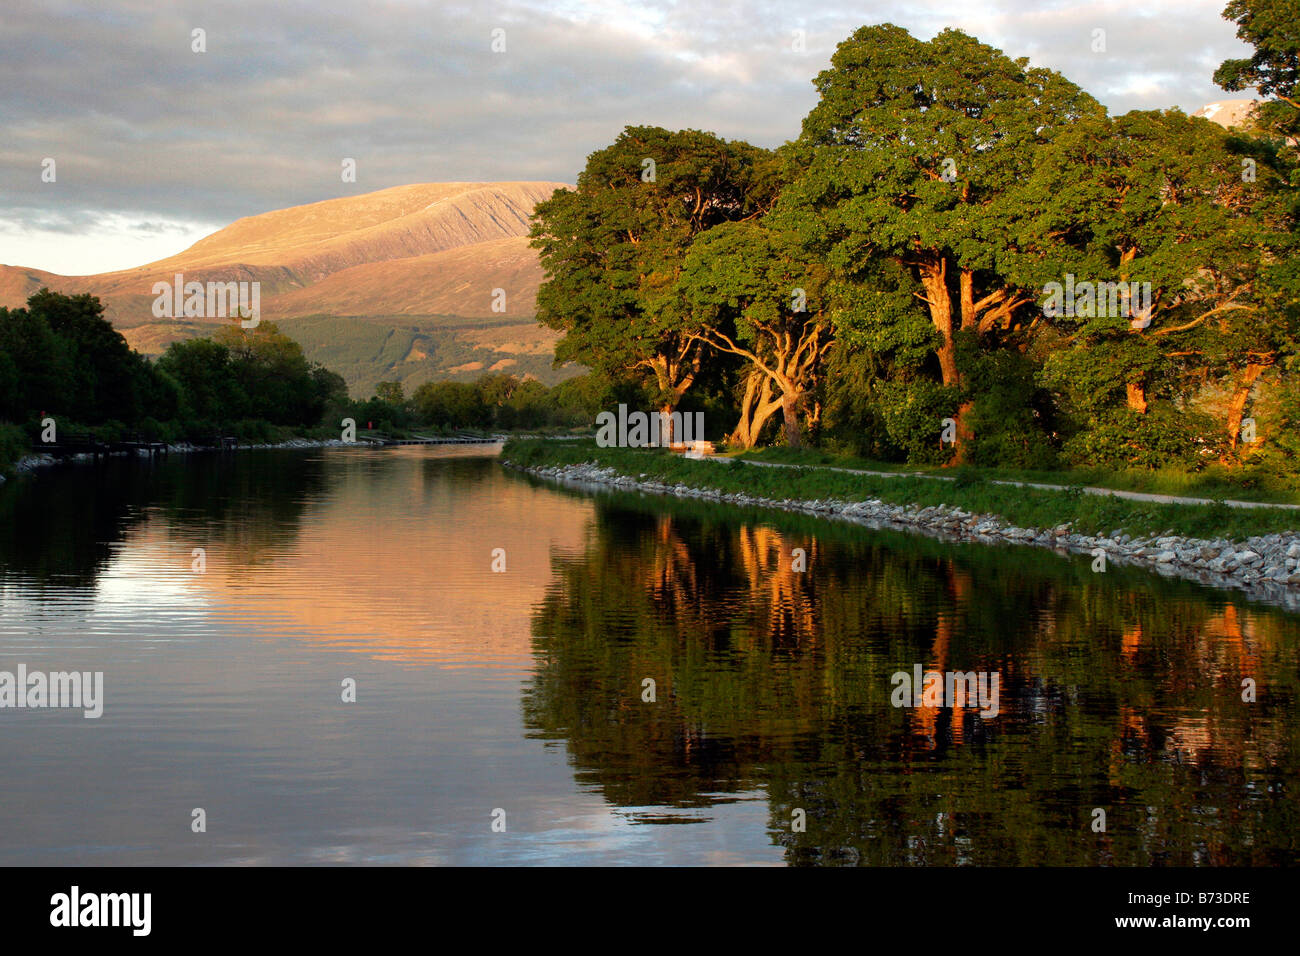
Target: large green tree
(1156, 204)
(37, 364)
(613, 249)
(1272, 27)
(105, 372)
(271, 370)
(755, 297)
(916, 157)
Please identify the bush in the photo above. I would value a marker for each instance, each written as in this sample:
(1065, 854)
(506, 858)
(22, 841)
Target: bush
(1011, 416)
(13, 445)
(1163, 437)
(110, 431)
(151, 429)
(854, 422)
(913, 413)
(255, 431)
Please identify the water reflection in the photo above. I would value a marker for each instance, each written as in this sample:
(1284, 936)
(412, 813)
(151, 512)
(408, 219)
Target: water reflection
(1121, 692)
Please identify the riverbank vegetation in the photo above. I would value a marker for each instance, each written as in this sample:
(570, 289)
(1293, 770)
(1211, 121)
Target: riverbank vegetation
(1213, 482)
(496, 402)
(61, 360)
(961, 260)
(967, 489)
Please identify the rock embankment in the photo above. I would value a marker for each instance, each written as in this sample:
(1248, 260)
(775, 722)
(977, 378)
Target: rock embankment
(1267, 567)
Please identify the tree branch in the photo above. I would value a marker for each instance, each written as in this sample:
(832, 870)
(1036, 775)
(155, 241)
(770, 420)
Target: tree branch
(1230, 307)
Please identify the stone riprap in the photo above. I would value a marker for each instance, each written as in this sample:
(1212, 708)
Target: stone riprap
(1267, 566)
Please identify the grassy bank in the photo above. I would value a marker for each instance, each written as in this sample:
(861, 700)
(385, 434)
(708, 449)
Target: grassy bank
(1240, 484)
(1023, 507)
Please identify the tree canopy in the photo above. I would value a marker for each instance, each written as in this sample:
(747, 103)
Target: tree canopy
(962, 257)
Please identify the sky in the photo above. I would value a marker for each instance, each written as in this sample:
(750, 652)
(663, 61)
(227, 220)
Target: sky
(155, 144)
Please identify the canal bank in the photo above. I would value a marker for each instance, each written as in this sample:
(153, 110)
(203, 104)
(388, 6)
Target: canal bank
(1266, 566)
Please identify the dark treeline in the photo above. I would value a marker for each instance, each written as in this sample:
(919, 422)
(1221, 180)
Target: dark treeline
(61, 359)
(962, 258)
(496, 402)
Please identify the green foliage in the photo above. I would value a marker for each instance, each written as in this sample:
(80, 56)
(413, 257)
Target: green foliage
(390, 392)
(505, 403)
(913, 413)
(59, 357)
(1161, 438)
(967, 477)
(450, 403)
(613, 248)
(854, 421)
(38, 366)
(908, 173)
(1011, 416)
(1272, 27)
(14, 444)
(201, 369)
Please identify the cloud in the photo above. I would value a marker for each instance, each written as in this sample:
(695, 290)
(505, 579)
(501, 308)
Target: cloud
(144, 128)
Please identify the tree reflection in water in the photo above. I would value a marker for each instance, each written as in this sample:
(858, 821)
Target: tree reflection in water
(1120, 691)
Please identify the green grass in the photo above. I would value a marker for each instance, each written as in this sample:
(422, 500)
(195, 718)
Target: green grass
(970, 491)
(1240, 484)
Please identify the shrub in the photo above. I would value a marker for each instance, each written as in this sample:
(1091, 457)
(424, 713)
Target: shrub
(1163, 437)
(913, 413)
(13, 445)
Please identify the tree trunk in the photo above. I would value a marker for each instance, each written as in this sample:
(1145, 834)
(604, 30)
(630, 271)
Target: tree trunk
(666, 435)
(967, 286)
(762, 413)
(790, 412)
(964, 434)
(940, 305)
(674, 379)
(756, 408)
(1237, 407)
(741, 434)
(813, 420)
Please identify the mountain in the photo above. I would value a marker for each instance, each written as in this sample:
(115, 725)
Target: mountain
(420, 282)
(1229, 113)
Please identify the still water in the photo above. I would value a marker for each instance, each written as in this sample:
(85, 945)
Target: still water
(771, 738)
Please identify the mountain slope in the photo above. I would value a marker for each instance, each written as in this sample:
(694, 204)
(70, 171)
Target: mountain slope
(424, 260)
(456, 281)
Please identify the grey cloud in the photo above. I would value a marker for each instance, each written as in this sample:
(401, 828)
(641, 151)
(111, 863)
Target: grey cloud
(140, 125)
